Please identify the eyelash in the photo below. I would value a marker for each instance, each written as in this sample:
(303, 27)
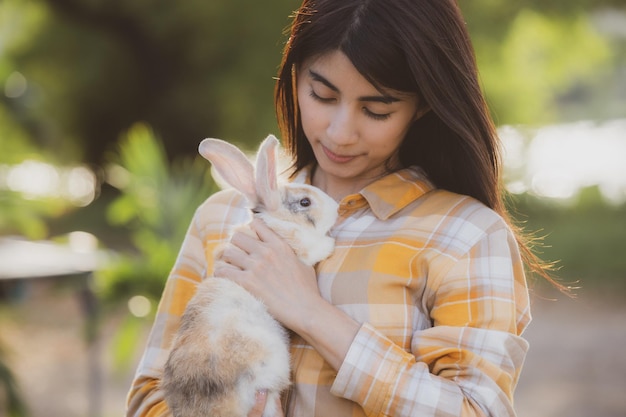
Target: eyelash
(367, 112)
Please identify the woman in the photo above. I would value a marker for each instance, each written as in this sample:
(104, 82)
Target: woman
(421, 307)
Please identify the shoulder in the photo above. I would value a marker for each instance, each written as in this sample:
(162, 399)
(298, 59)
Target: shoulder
(448, 205)
(454, 220)
(222, 209)
(226, 197)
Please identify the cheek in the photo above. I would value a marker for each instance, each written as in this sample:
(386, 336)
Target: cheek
(390, 147)
(311, 118)
(401, 130)
(386, 140)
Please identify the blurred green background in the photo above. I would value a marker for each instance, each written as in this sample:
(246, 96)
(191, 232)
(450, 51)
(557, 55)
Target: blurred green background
(103, 104)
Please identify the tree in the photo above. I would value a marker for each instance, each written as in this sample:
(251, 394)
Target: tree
(195, 69)
(189, 69)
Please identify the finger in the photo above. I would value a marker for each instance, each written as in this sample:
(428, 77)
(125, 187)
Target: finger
(264, 233)
(225, 270)
(259, 404)
(279, 408)
(234, 255)
(245, 241)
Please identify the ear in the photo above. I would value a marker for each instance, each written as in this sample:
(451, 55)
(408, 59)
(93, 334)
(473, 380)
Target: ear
(266, 175)
(231, 164)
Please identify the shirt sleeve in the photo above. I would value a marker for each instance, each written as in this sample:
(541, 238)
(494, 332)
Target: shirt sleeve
(145, 398)
(468, 362)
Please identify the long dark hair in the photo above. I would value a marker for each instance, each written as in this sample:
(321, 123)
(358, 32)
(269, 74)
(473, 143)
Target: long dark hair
(416, 46)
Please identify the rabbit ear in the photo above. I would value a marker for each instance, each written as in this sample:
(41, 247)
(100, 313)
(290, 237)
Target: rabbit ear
(231, 164)
(266, 175)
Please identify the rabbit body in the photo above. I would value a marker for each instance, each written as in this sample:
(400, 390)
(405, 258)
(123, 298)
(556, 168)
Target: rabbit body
(228, 346)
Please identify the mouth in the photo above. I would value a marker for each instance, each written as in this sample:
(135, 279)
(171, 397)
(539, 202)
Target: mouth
(340, 159)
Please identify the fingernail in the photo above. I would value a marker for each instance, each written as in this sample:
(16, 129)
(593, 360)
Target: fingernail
(261, 394)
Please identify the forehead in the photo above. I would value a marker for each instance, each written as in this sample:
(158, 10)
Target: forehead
(335, 67)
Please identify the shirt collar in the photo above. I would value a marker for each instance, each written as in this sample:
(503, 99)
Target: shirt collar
(395, 191)
(387, 195)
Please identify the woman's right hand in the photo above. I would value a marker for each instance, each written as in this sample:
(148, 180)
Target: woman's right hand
(259, 405)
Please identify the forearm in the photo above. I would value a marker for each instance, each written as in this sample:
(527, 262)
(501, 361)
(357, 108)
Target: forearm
(451, 382)
(467, 364)
(401, 382)
(329, 330)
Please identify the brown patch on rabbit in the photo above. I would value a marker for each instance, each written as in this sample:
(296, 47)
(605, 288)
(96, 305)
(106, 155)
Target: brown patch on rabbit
(228, 346)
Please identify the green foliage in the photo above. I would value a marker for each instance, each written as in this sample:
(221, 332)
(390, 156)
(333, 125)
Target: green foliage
(25, 217)
(12, 402)
(191, 69)
(125, 342)
(156, 205)
(526, 73)
(586, 239)
(18, 21)
(20, 213)
(196, 68)
(14, 144)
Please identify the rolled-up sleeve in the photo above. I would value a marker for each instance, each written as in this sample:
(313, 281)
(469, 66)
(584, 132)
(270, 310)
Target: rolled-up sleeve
(468, 362)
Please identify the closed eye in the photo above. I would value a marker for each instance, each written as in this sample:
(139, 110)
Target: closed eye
(366, 111)
(320, 98)
(376, 116)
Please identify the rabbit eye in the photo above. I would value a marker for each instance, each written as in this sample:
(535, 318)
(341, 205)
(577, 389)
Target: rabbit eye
(305, 202)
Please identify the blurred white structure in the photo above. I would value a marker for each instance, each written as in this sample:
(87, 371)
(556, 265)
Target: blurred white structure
(557, 161)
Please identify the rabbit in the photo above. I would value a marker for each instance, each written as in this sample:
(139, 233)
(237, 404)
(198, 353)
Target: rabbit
(228, 346)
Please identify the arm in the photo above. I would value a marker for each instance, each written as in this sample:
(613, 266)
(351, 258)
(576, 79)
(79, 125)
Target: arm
(468, 363)
(145, 398)
(290, 292)
(209, 227)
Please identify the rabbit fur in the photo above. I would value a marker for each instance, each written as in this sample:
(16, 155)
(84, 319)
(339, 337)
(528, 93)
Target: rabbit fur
(228, 346)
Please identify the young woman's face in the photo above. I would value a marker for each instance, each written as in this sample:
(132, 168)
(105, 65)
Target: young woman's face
(353, 128)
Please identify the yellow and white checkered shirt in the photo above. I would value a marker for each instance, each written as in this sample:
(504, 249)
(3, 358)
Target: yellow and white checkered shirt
(434, 277)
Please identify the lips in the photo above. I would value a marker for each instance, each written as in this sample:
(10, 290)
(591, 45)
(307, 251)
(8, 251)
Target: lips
(340, 159)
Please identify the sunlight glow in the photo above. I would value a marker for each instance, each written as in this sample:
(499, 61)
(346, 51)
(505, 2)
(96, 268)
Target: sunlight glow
(15, 85)
(33, 179)
(36, 180)
(139, 306)
(83, 242)
(559, 160)
(553, 161)
(80, 186)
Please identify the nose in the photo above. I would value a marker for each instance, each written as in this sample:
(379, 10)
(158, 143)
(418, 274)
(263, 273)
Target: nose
(342, 127)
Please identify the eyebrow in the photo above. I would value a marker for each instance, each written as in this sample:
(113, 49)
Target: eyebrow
(385, 98)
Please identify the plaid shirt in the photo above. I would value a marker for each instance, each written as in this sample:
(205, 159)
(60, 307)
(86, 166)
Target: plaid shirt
(434, 277)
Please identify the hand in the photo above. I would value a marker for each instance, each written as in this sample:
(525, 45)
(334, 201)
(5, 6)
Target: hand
(259, 406)
(268, 268)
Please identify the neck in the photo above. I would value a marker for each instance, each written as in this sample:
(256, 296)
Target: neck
(337, 188)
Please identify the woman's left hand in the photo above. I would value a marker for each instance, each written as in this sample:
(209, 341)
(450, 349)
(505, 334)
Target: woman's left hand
(269, 269)
(259, 405)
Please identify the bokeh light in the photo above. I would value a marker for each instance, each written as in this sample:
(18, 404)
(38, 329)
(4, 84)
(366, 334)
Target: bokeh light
(38, 180)
(139, 306)
(558, 161)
